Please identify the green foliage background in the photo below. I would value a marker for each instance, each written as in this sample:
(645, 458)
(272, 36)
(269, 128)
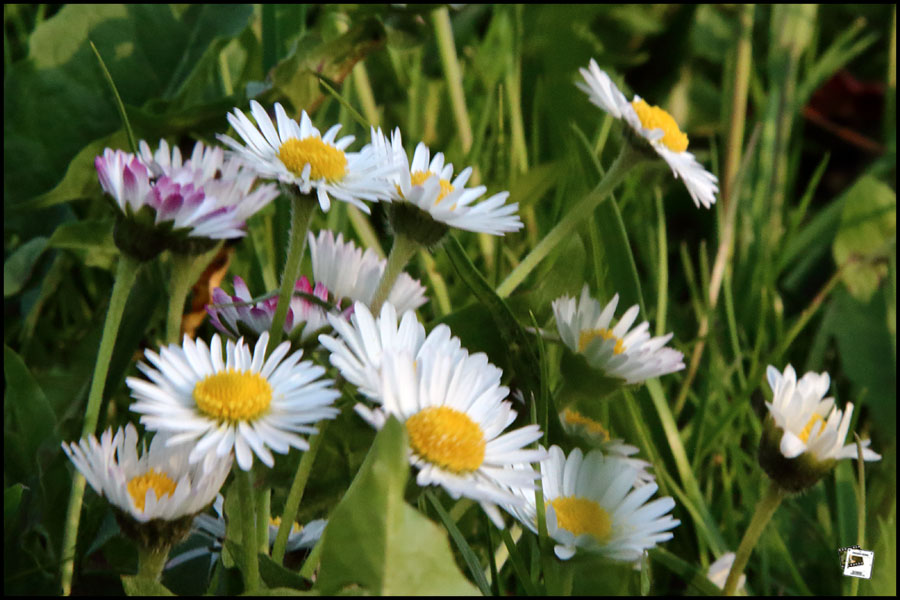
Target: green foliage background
(810, 279)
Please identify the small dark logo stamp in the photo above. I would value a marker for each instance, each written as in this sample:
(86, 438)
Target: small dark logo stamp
(856, 562)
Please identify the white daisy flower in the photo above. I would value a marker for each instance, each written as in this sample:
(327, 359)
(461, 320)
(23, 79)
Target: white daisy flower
(657, 128)
(349, 273)
(451, 403)
(298, 154)
(718, 572)
(426, 183)
(592, 502)
(811, 423)
(159, 484)
(245, 402)
(634, 356)
(359, 345)
(576, 423)
(206, 196)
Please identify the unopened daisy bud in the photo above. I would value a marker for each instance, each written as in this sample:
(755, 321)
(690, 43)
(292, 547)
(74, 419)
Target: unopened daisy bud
(804, 432)
(157, 494)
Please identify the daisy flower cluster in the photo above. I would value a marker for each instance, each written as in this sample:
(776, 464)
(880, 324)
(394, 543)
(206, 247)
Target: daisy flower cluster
(224, 403)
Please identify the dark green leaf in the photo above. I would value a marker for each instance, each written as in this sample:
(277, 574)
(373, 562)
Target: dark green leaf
(17, 268)
(29, 407)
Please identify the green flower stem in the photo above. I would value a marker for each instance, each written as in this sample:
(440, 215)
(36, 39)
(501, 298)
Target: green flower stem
(186, 270)
(302, 209)
(628, 158)
(403, 249)
(295, 494)
(125, 275)
(248, 532)
(764, 511)
(151, 562)
(263, 510)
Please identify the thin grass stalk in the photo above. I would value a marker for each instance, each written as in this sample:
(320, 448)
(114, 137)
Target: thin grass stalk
(765, 508)
(126, 271)
(295, 494)
(447, 48)
(627, 158)
(724, 255)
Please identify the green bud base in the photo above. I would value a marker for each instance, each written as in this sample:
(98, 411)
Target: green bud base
(792, 475)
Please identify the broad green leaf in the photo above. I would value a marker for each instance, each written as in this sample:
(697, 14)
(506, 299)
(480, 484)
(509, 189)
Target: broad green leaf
(143, 586)
(867, 230)
(92, 239)
(29, 407)
(58, 100)
(278, 577)
(376, 541)
(297, 77)
(17, 268)
(12, 496)
(80, 180)
(866, 352)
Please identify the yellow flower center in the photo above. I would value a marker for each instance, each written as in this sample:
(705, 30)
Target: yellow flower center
(276, 522)
(588, 335)
(804, 435)
(325, 161)
(447, 437)
(159, 482)
(420, 177)
(580, 515)
(653, 117)
(233, 395)
(576, 418)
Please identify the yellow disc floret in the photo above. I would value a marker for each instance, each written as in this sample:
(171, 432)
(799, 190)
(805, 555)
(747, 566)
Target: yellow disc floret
(588, 335)
(159, 482)
(572, 417)
(276, 522)
(325, 161)
(447, 437)
(233, 395)
(653, 117)
(420, 177)
(580, 515)
(804, 435)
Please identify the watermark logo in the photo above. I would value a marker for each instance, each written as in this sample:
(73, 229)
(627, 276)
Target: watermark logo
(856, 562)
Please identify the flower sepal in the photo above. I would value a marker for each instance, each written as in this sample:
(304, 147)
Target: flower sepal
(156, 535)
(413, 222)
(138, 236)
(792, 475)
(581, 381)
